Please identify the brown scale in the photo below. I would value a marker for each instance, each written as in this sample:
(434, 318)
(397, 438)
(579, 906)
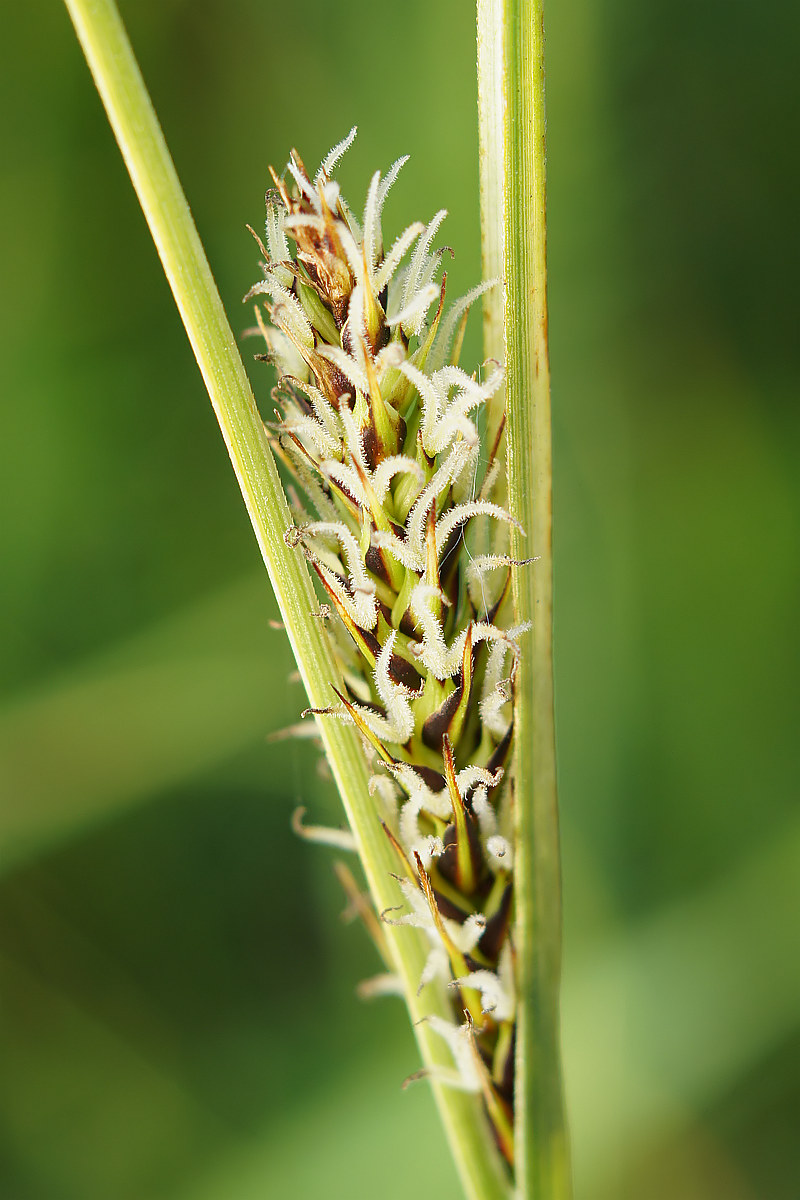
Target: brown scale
(430, 776)
(400, 669)
(500, 752)
(332, 382)
(373, 451)
(438, 723)
(375, 562)
(408, 625)
(497, 927)
(447, 907)
(447, 862)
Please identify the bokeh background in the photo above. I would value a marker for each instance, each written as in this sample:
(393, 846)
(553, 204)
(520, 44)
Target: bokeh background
(177, 1019)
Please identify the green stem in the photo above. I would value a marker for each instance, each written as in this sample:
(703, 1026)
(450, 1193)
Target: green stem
(136, 128)
(491, 141)
(512, 125)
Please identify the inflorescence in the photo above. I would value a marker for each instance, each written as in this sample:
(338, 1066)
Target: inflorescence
(392, 496)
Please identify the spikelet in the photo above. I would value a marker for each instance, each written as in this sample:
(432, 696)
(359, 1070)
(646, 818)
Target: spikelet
(378, 426)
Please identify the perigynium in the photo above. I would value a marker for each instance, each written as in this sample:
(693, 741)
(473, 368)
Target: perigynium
(393, 498)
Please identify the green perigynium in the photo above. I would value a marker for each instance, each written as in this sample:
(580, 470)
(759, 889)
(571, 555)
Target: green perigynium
(392, 497)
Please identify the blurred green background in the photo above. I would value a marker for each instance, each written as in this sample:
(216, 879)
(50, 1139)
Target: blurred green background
(176, 1011)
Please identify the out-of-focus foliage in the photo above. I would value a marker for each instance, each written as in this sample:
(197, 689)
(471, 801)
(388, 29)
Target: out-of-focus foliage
(175, 986)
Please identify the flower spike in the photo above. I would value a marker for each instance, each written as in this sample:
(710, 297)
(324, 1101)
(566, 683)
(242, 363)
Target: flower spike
(380, 428)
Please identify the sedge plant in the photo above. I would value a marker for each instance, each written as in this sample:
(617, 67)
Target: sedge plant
(410, 556)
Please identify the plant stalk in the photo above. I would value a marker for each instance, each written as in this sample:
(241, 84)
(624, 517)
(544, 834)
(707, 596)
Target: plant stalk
(512, 129)
(136, 128)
